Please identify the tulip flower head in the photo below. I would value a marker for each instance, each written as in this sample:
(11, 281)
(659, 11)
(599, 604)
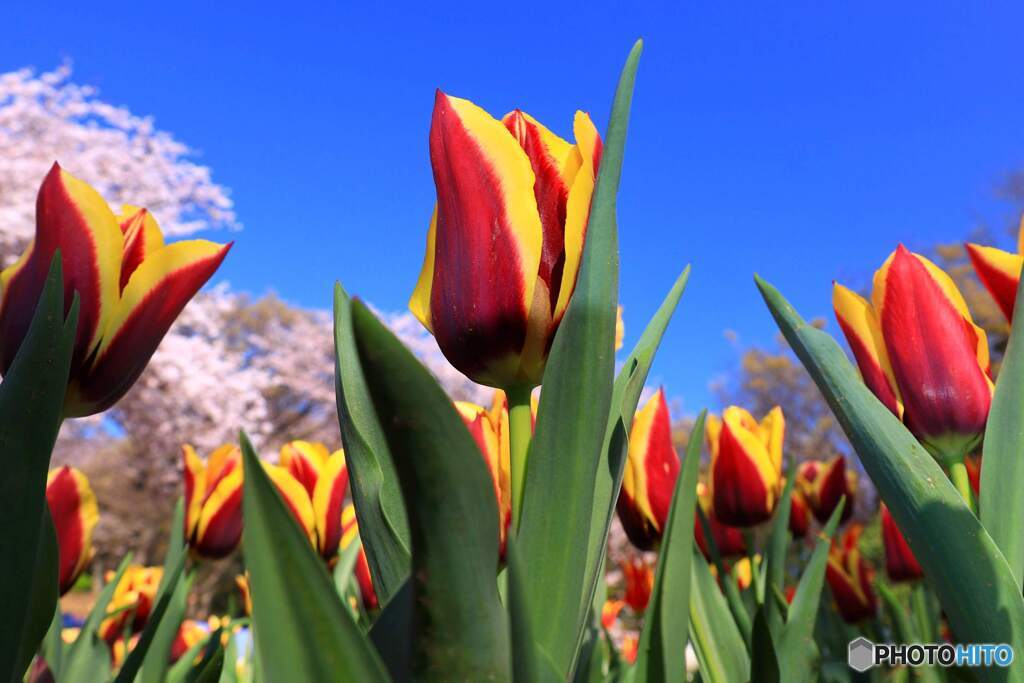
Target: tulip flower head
(610, 612)
(822, 485)
(324, 476)
(630, 648)
(131, 287)
(649, 478)
(489, 428)
(75, 515)
(799, 514)
(900, 563)
(639, 578)
(296, 499)
(213, 501)
(999, 271)
(921, 354)
(728, 540)
(131, 602)
(189, 634)
(850, 577)
(746, 465)
(742, 571)
(505, 239)
(362, 568)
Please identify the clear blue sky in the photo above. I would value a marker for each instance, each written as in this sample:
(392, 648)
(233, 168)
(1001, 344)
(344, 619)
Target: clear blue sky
(799, 140)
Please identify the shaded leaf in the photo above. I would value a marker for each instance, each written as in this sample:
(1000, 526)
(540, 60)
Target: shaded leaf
(721, 652)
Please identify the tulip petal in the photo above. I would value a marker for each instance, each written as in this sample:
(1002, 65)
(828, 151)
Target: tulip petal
(156, 293)
(864, 335)
(488, 241)
(220, 522)
(328, 501)
(419, 302)
(75, 514)
(999, 271)
(296, 498)
(744, 477)
(195, 488)
(142, 236)
(900, 563)
(304, 460)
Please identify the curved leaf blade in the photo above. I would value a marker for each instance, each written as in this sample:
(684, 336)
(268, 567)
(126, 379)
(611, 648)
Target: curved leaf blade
(721, 651)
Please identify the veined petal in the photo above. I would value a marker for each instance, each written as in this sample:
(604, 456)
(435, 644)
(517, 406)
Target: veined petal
(419, 302)
(304, 460)
(195, 488)
(142, 236)
(220, 520)
(864, 335)
(75, 514)
(156, 293)
(488, 242)
(328, 501)
(296, 498)
(999, 271)
(70, 216)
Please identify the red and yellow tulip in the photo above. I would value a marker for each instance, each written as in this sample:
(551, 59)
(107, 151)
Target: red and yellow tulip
(900, 563)
(75, 514)
(324, 476)
(296, 499)
(822, 485)
(799, 514)
(505, 238)
(131, 287)
(242, 584)
(850, 577)
(132, 601)
(610, 612)
(649, 478)
(362, 569)
(728, 540)
(746, 465)
(639, 580)
(920, 352)
(189, 633)
(213, 501)
(489, 429)
(999, 271)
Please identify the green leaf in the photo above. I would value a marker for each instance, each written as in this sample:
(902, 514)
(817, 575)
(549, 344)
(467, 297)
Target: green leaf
(53, 645)
(659, 656)
(209, 667)
(721, 652)
(778, 546)
(797, 653)
(392, 633)
(181, 669)
(88, 658)
(460, 628)
(155, 665)
(228, 672)
(164, 596)
(738, 608)
(344, 568)
(291, 591)
(629, 384)
(575, 405)
(764, 666)
(528, 664)
(31, 409)
(373, 480)
(1001, 503)
(962, 562)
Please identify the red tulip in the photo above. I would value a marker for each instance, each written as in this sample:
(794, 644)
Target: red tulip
(850, 578)
(729, 540)
(362, 568)
(799, 515)
(213, 501)
(639, 579)
(823, 485)
(75, 514)
(900, 563)
(999, 271)
(746, 465)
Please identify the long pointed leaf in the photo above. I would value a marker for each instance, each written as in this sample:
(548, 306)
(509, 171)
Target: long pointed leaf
(88, 658)
(962, 562)
(460, 627)
(659, 657)
(372, 476)
(291, 591)
(574, 409)
(720, 649)
(154, 667)
(764, 660)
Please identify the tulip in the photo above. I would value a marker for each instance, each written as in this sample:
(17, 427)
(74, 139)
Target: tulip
(649, 478)
(131, 287)
(505, 238)
(630, 648)
(296, 499)
(242, 583)
(610, 612)
(900, 563)
(973, 465)
(213, 501)
(823, 485)
(999, 271)
(639, 579)
(131, 602)
(921, 354)
(746, 465)
(799, 515)
(742, 571)
(324, 476)
(75, 515)
(362, 567)
(189, 633)
(728, 540)
(849, 577)
(490, 431)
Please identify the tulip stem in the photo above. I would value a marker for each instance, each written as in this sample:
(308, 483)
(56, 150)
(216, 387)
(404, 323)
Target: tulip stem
(962, 482)
(520, 420)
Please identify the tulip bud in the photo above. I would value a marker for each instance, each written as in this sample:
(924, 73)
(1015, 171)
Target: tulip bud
(639, 578)
(920, 352)
(900, 563)
(213, 501)
(490, 431)
(296, 499)
(189, 633)
(75, 515)
(505, 238)
(131, 602)
(823, 485)
(799, 515)
(362, 568)
(728, 540)
(999, 271)
(649, 478)
(746, 465)
(849, 577)
(131, 287)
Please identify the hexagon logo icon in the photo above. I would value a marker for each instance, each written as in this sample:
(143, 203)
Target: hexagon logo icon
(861, 654)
